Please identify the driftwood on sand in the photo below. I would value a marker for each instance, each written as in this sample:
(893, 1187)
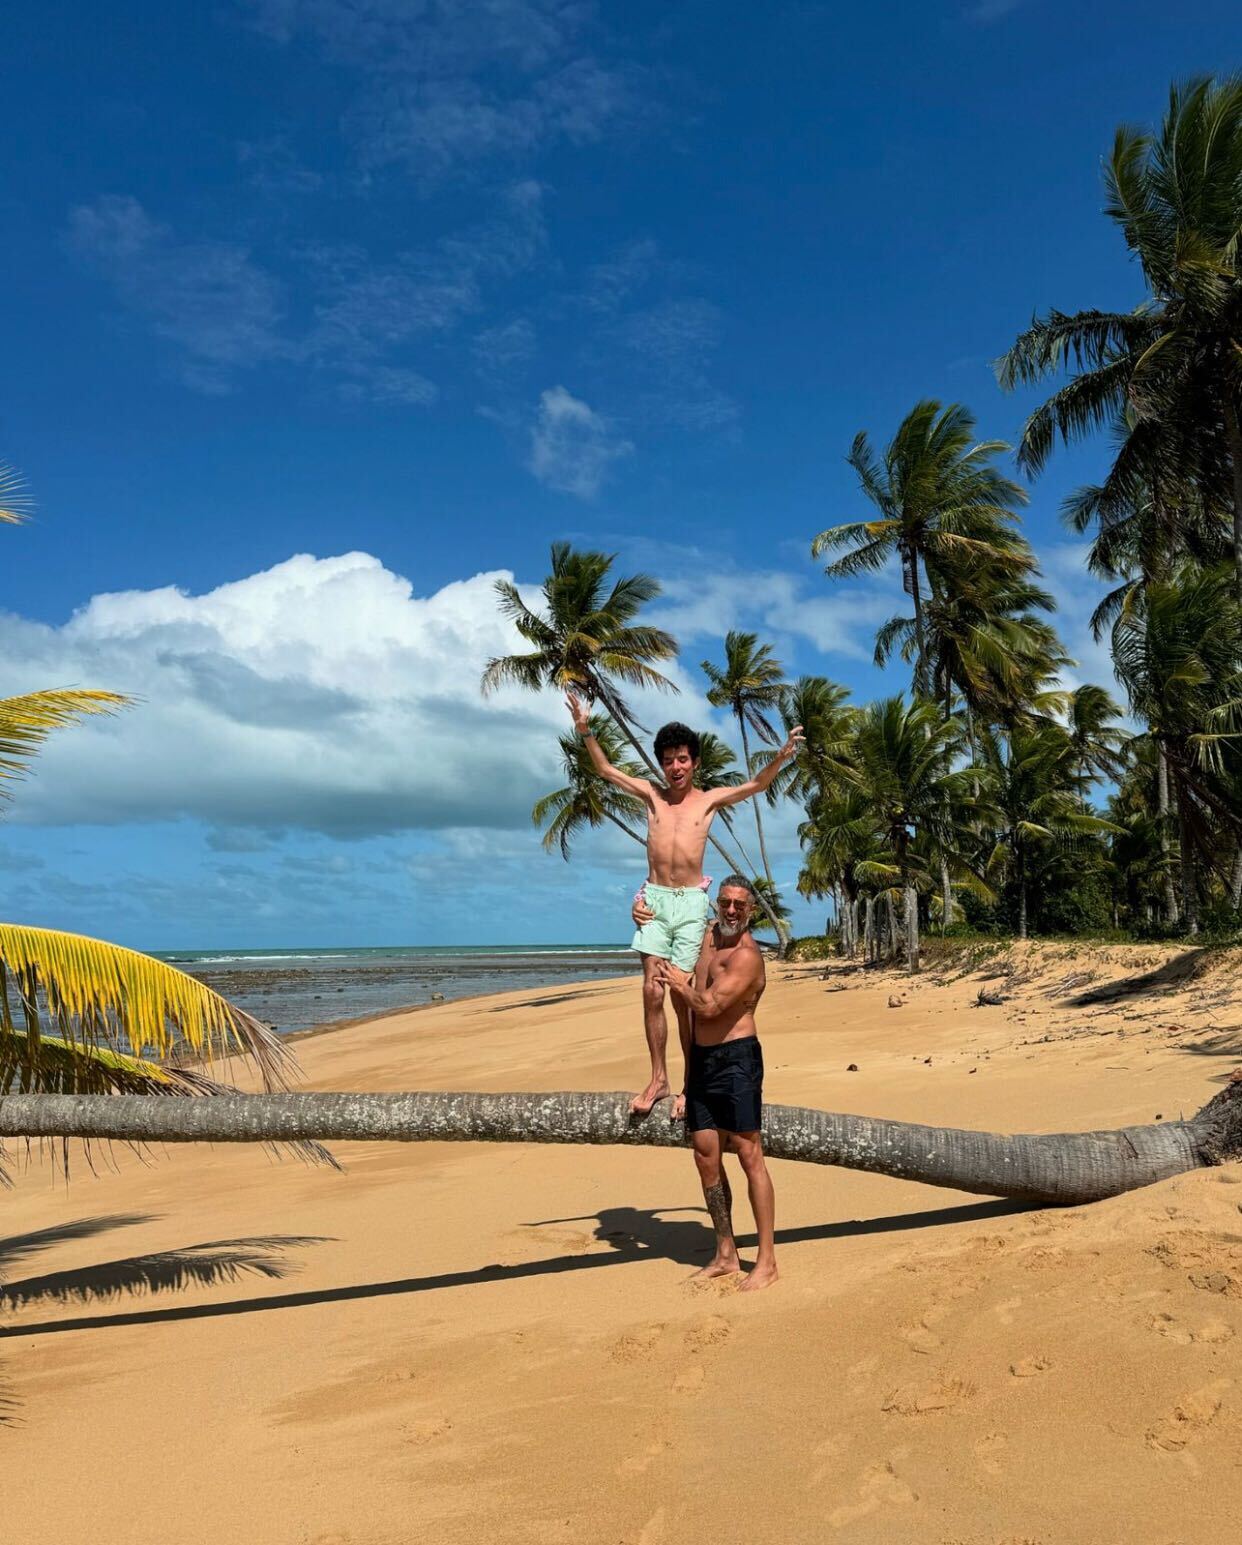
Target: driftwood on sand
(1057, 1169)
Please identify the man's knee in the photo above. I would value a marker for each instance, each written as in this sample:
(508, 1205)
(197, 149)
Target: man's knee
(749, 1152)
(653, 993)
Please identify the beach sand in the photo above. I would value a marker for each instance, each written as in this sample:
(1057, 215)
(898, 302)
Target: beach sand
(499, 1343)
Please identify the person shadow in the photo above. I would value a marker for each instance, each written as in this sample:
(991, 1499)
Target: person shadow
(647, 1231)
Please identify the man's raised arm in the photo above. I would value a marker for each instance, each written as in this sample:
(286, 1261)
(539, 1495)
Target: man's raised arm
(582, 723)
(761, 780)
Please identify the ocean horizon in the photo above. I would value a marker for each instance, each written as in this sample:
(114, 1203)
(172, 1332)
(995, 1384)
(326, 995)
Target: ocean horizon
(294, 988)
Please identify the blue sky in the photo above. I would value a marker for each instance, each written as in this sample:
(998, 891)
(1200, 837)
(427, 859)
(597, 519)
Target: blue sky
(433, 285)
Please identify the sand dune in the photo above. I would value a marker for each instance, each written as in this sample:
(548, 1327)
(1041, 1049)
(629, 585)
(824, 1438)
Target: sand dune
(500, 1343)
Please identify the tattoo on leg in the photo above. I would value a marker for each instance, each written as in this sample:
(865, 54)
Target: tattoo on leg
(719, 1206)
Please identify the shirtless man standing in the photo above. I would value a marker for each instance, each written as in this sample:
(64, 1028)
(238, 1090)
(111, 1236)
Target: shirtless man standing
(724, 1083)
(678, 819)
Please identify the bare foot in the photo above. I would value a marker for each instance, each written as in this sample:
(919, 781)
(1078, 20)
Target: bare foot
(717, 1268)
(760, 1277)
(657, 1090)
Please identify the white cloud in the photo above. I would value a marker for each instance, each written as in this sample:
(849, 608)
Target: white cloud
(209, 297)
(321, 694)
(453, 85)
(572, 446)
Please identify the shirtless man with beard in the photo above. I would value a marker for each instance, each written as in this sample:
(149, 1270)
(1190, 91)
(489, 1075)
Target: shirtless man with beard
(724, 1083)
(679, 817)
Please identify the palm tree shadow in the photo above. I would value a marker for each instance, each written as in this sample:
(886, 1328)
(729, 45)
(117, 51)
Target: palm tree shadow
(18, 1246)
(161, 1271)
(649, 1236)
(1169, 977)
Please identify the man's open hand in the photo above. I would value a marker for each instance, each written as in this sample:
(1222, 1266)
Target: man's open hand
(673, 976)
(581, 714)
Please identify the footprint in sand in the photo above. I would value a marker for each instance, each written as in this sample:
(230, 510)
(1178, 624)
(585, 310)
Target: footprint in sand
(827, 1456)
(924, 1399)
(1029, 1367)
(636, 1345)
(655, 1530)
(427, 1431)
(989, 1450)
(1188, 1418)
(879, 1485)
(1004, 1311)
(690, 1380)
(919, 1337)
(709, 1332)
(1211, 1332)
(637, 1464)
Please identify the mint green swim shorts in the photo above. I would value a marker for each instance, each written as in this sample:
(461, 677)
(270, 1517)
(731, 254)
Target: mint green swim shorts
(676, 931)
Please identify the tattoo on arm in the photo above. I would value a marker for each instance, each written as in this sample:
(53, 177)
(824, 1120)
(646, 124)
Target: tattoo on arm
(719, 1201)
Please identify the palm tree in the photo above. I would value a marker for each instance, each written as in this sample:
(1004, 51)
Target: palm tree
(587, 638)
(904, 754)
(1175, 361)
(940, 497)
(586, 799)
(1178, 652)
(1047, 1169)
(776, 913)
(820, 706)
(1099, 743)
(750, 686)
(1030, 778)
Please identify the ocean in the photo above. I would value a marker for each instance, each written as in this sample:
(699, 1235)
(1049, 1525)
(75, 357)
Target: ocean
(295, 989)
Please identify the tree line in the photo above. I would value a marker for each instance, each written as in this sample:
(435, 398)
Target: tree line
(991, 795)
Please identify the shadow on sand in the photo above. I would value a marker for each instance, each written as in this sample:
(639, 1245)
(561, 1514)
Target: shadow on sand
(633, 1233)
(1173, 974)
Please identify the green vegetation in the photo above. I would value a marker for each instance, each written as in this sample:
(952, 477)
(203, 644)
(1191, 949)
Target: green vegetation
(993, 800)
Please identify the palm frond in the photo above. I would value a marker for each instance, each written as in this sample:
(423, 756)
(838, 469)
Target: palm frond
(103, 996)
(26, 722)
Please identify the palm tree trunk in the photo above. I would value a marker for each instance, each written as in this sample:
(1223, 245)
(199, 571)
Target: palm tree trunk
(869, 949)
(1190, 869)
(920, 663)
(1021, 893)
(1235, 880)
(628, 830)
(1162, 806)
(782, 932)
(1064, 1168)
(912, 929)
(1233, 437)
(894, 942)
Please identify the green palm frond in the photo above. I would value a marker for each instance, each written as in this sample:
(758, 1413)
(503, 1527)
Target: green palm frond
(14, 501)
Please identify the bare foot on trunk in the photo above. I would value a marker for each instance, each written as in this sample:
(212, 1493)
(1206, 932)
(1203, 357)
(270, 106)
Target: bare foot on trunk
(657, 1090)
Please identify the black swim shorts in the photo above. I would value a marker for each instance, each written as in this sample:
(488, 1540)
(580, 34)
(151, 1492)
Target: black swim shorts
(725, 1086)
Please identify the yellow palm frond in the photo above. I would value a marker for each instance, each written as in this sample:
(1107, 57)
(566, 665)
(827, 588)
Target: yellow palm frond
(27, 721)
(100, 995)
(48, 1065)
(14, 505)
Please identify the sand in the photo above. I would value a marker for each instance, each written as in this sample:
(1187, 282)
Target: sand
(500, 1343)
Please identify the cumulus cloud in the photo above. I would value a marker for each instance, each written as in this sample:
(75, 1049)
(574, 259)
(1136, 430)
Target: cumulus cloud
(321, 694)
(572, 446)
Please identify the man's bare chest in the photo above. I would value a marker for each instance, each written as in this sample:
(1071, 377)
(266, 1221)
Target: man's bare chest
(674, 820)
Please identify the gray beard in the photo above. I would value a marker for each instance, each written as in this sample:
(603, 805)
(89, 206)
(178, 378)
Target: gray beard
(729, 930)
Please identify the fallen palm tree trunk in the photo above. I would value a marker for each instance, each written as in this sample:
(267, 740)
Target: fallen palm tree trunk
(1060, 1168)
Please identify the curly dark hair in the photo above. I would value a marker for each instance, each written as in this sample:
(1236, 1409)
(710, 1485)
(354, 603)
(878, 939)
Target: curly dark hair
(670, 736)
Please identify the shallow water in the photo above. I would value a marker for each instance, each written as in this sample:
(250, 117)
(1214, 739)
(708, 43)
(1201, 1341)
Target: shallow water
(295, 989)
